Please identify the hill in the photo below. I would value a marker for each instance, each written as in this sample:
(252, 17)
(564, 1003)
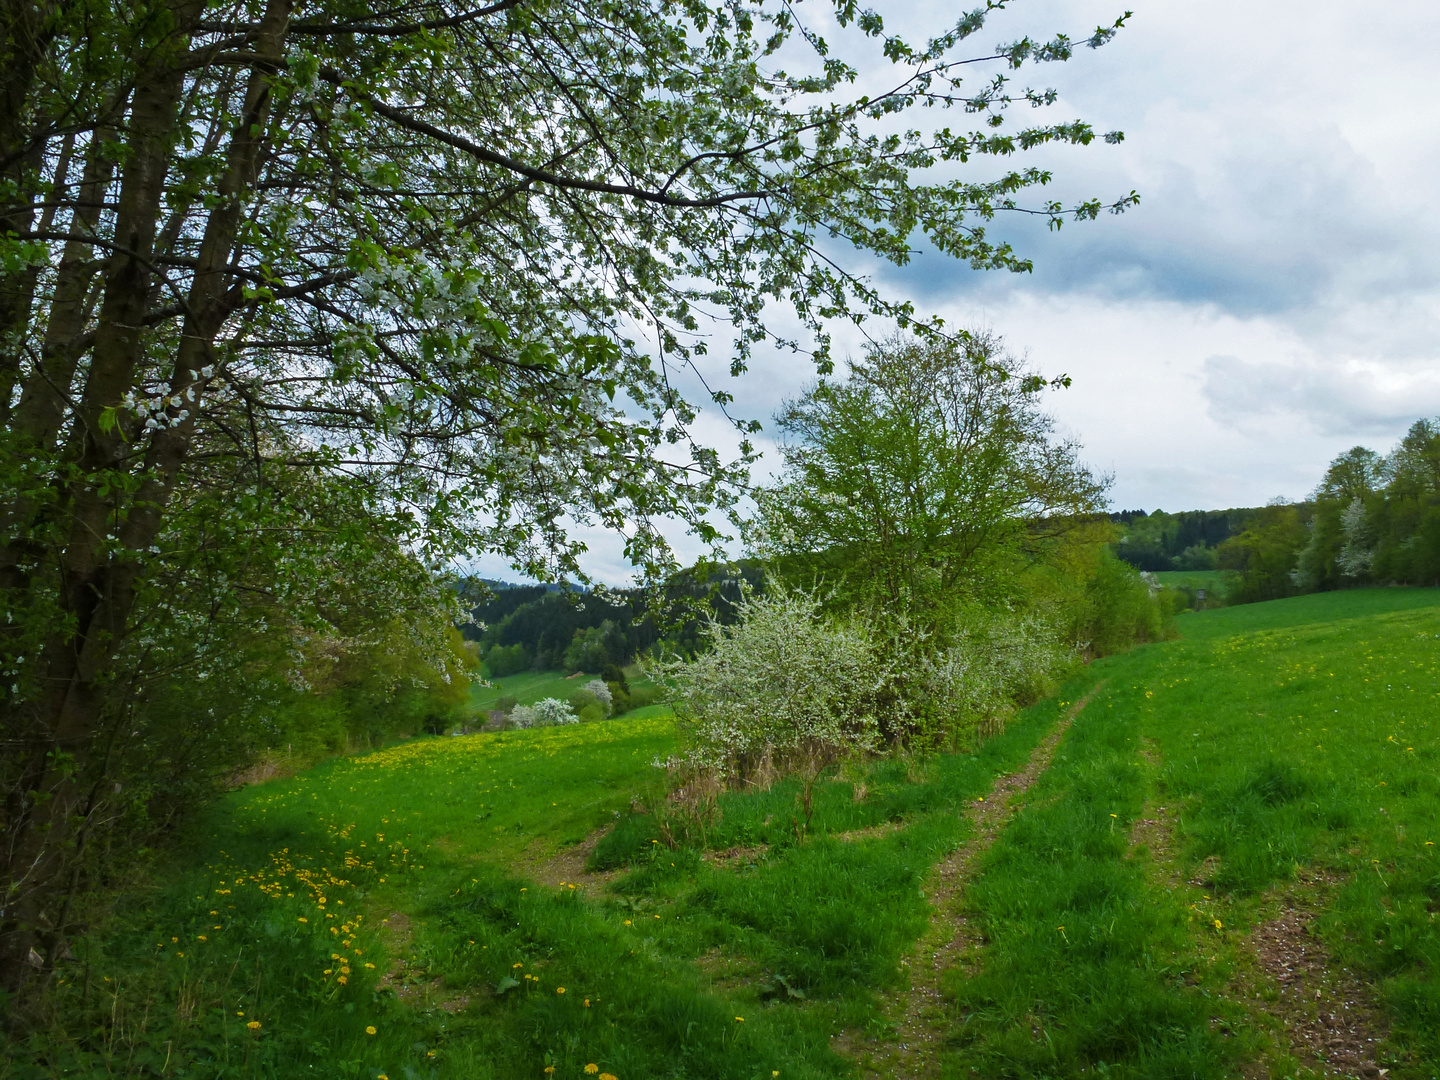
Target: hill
(1203, 858)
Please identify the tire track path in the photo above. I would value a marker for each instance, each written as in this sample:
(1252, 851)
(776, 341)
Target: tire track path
(918, 1015)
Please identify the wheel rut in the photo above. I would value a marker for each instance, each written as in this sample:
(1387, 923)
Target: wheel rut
(917, 1016)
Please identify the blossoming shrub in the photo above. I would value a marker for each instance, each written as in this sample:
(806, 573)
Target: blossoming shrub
(554, 711)
(602, 693)
(780, 683)
(992, 663)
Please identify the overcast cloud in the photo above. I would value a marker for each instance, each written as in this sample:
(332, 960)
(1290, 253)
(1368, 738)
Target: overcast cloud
(1275, 297)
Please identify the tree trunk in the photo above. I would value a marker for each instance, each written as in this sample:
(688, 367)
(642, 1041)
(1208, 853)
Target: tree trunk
(59, 726)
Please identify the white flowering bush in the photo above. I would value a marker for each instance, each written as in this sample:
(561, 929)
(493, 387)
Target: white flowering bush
(602, 694)
(782, 682)
(554, 711)
(543, 714)
(991, 663)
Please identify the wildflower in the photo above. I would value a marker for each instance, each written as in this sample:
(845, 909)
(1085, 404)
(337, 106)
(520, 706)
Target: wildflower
(201, 937)
(627, 922)
(304, 919)
(560, 989)
(549, 1069)
(1219, 925)
(587, 1003)
(592, 1069)
(342, 980)
(608, 1076)
(253, 1025)
(371, 966)
(370, 1029)
(519, 965)
(240, 1013)
(740, 1019)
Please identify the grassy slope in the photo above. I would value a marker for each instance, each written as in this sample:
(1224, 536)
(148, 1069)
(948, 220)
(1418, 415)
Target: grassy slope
(529, 687)
(287, 885)
(1302, 732)
(276, 916)
(1213, 580)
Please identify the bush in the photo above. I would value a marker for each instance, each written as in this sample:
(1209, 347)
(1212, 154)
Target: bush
(1121, 608)
(554, 711)
(505, 704)
(619, 699)
(991, 662)
(780, 684)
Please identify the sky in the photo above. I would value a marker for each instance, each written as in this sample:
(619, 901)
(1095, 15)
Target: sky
(1273, 300)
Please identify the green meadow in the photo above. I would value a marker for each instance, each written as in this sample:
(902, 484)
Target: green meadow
(530, 903)
(528, 687)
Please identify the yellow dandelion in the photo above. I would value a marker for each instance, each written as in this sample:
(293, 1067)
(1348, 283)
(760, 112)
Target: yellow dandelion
(304, 919)
(253, 1025)
(627, 922)
(608, 1076)
(740, 1019)
(587, 1003)
(560, 989)
(370, 966)
(549, 1069)
(370, 1029)
(1219, 925)
(342, 980)
(592, 1069)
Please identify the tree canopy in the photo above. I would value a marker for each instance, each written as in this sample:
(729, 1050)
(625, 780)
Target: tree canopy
(924, 471)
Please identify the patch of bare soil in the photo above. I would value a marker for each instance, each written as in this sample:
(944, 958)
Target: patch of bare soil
(406, 979)
(565, 869)
(1327, 1013)
(917, 1017)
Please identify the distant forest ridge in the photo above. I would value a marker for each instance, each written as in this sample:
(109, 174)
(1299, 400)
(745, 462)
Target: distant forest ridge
(1187, 540)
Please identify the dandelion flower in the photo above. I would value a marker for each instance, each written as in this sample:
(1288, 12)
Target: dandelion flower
(253, 1025)
(740, 1019)
(549, 1069)
(370, 965)
(560, 989)
(608, 1076)
(370, 1029)
(1219, 925)
(592, 1069)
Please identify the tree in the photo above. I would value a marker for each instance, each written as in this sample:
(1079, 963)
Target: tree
(407, 250)
(926, 470)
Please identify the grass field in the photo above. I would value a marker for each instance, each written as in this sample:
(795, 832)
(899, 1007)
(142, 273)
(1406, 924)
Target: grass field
(1213, 581)
(1280, 756)
(529, 687)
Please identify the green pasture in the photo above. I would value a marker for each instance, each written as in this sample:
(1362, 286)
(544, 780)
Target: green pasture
(1213, 581)
(528, 687)
(1297, 735)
